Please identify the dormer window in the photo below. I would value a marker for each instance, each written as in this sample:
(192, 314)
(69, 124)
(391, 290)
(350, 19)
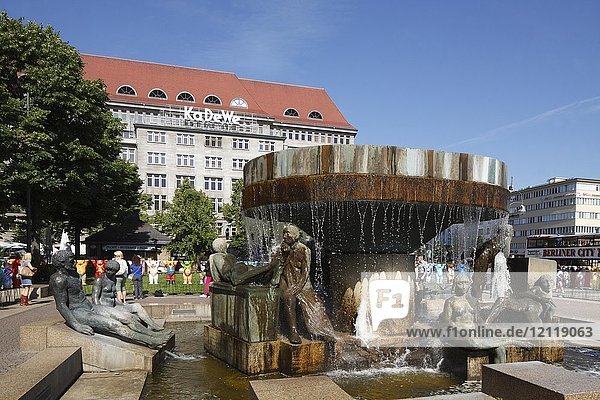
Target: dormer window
(212, 99)
(291, 112)
(157, 94)
(315, 115)
(239, 103)
(186, 96)
(126, 90)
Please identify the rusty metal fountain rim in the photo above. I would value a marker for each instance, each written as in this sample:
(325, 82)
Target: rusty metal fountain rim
(373, 187)
(376, 160)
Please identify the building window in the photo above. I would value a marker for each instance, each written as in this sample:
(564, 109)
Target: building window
(187, 139)
(128, 135)
(291, 112)
(157, 180)
(213, 183)
(234, 181)
(126, 90)
(157, 94)
(217, 204)
(265, 145)
(128, 154)
(240, 144)
(212, 99)
(160, 202)
(213, 162)
(157, 158)
(315, 115)
(239, 103)
(186, 96)
(180, 178)
(238, 163)
(185, 160)
(157, 137)
(213, 141)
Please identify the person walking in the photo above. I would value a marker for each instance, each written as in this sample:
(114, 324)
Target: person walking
(207, 281)
(121, 275)
(137, 272)
(26, 271)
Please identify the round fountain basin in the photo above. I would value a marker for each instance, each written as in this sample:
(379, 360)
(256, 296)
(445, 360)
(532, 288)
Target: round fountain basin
(373, 199)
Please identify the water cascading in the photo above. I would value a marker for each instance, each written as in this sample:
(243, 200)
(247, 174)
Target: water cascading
(366, 209)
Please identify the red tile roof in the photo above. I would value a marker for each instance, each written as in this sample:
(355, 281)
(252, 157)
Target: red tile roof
(263, 98)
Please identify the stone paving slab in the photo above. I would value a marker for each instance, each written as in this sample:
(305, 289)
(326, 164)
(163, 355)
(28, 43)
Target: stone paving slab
(458, 396)
(126, 385)
(304, 388)
(47, 375)
(534, 380)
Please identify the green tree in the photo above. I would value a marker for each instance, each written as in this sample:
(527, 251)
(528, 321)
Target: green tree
(60, 160)
(190, 221)
(233, 214)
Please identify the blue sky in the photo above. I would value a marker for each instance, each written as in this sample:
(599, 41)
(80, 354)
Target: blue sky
(517, 80)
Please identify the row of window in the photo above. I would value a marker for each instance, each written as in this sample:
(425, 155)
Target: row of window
(543, 218)
(211, 99)
(560, 230)
(189, 139)
(189, 160)
(159, 203)
(210, 183)
(318, 138)
(544, 192)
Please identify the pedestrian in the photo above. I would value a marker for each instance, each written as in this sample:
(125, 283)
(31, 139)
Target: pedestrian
(207, 281)
(14, 263)
(137, 277)
(121, 275)
(26, 271)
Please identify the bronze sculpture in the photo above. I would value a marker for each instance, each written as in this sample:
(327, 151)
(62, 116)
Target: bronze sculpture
(79, 313)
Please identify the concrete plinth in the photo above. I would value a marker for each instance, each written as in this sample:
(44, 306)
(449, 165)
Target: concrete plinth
(305, 358)
(250, 313)
(251, 358)
(525, 271)
(304, 388)
(465, 363)
(535, 380)
(100, 353)
(47, 375)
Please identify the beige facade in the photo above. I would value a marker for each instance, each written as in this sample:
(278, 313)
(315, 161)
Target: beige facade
(168, 149)
(560, 207)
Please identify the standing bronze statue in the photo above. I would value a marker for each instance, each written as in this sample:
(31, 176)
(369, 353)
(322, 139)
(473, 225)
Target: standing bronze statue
(293, 259)
(79, 313)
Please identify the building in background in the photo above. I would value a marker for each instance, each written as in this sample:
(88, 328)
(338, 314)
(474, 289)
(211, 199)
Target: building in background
(562, 206)
(184, 123)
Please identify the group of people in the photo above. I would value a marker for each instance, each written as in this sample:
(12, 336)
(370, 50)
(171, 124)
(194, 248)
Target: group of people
(577, 277)
(18, 272)
(435, 272)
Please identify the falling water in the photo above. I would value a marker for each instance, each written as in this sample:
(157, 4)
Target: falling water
(501, 278)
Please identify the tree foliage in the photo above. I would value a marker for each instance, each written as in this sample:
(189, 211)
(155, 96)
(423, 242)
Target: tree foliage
(61, 146)
(233, 214)
(190, 221)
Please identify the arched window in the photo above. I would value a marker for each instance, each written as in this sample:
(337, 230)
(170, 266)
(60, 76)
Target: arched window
(157, 94)
(239, 102)
(315, 115)
(127, 90)
(186, 96)
(212, 100)
(291, 112)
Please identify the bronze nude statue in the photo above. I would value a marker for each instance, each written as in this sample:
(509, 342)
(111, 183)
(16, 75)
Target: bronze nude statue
(81, 315)
(104, 298)
(224, 267)
(534, 305)
(293, 260)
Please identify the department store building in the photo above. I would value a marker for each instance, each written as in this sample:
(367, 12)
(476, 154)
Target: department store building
(185, 123)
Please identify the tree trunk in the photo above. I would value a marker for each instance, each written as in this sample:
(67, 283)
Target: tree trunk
(77, 242)
(36, 226)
